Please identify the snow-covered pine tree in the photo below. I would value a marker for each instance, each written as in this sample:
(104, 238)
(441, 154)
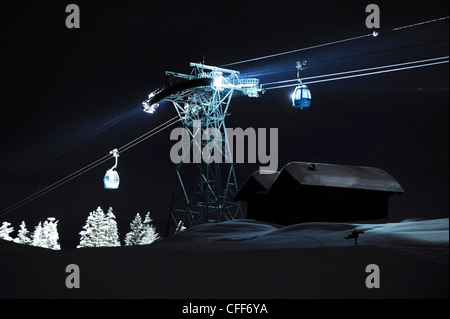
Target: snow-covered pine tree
(150, 234)
(94, 231)
(23, 235)
(38, 238)
(136, 233)
(50, 234)
(46, 235)
(5, 230)
(113, 231)
(100, 230)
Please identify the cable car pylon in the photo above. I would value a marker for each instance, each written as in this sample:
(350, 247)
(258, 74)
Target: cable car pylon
(203, 189)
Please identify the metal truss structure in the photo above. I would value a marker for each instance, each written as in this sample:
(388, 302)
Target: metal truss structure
(201, 99)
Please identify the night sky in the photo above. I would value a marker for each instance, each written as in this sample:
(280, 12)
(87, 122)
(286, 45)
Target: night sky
(60, 85)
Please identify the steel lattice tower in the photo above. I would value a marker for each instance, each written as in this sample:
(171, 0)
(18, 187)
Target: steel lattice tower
(201, 99)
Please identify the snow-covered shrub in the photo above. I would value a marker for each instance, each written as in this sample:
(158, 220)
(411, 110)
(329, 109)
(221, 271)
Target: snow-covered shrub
(141, 233)
(5, 230)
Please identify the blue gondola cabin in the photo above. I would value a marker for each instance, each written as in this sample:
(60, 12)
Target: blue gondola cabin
(301, 97)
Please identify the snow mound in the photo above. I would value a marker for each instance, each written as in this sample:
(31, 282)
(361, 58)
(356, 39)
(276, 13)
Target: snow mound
(411, 233)
(238, 230)
(408, 233)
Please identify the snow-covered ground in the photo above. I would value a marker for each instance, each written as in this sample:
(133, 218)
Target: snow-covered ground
(407, 233)
(245, 259)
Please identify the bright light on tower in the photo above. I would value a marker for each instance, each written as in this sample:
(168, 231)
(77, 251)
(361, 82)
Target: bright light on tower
(218, 82)
(149, 108)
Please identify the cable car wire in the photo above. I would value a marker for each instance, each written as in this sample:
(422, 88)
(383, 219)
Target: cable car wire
(54, 185)
(149, 134)
(271, 71)
(302, 49)
(419, 23)
(379, 72)
(360, 75)
(356, 71)
(374, 34)
(68, 148)
(88, 167)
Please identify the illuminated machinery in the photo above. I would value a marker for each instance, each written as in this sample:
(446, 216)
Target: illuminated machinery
(201, 100)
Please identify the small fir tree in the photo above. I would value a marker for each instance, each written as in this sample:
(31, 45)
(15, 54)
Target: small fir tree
(141, 233)
(38, 238)
(150, 233)
(23, 235)
(112, 230)
(92, 235)
(50, 234)
(136, 233)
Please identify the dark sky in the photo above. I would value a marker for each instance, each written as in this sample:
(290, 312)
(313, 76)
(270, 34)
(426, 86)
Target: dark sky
(62, 84)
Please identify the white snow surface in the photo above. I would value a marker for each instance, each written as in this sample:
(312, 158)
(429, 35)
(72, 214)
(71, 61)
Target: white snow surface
(245, 259)
(407, 233)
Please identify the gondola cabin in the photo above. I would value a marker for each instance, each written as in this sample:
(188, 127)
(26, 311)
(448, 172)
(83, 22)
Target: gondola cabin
(301, 97)
(111, 179)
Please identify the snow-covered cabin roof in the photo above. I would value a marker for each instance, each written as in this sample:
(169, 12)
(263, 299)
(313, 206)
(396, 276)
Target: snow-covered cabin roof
(257, 182)
(341, 176)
